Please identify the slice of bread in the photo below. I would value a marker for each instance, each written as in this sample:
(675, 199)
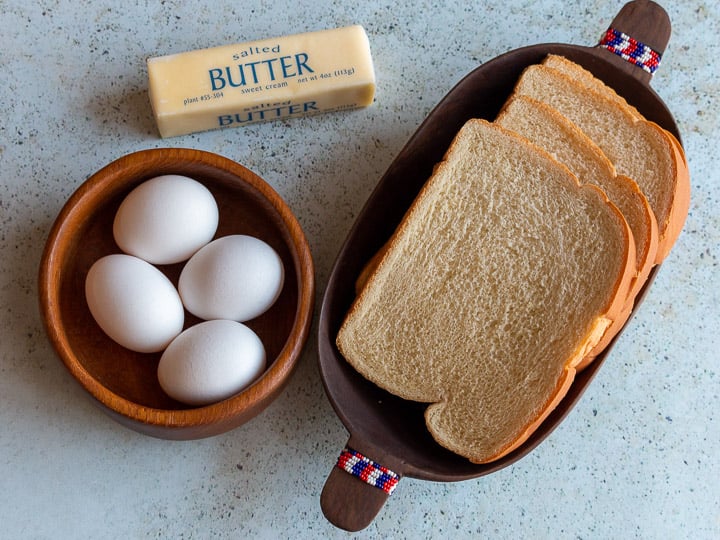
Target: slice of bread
(583, 76)
(638, 148)
(587, 79)
(501, 277)
(544, 126)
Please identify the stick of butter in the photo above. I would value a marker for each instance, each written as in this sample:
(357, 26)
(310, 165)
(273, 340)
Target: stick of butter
(234, 85)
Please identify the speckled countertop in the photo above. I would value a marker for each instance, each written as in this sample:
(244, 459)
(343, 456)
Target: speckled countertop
(637, 458)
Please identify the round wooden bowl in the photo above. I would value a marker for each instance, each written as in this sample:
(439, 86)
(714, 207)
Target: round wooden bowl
(124, 383)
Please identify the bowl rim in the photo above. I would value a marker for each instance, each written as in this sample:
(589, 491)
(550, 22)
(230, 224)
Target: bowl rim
(279, 369)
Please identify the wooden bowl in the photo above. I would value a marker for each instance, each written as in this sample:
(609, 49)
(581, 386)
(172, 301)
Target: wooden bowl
(124, 383)
(384, 428)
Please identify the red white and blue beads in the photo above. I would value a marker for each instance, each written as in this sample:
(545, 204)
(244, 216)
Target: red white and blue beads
(367, 470)
(631, 50)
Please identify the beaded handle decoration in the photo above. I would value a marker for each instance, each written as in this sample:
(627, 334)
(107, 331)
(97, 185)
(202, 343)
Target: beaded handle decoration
(368, 471)
(631, 50)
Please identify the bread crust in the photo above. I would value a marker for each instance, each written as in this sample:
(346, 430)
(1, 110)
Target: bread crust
(681, 199)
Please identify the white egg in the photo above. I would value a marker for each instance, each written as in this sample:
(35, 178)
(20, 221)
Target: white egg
(134, 303)
(166, 219)
(235, 277)
(211, 361)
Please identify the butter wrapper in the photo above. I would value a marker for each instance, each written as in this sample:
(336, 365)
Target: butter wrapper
(235, 85)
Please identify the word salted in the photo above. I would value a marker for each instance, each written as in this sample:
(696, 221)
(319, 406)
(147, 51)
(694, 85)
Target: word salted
(253, 50)
(267, 114)
(325, 71)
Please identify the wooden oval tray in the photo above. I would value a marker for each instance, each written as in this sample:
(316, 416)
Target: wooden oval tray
(387, 429)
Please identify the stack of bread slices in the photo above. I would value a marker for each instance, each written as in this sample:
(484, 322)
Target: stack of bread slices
(519, 260)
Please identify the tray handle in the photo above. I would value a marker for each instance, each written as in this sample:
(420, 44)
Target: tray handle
(356, 489)
(637, 38)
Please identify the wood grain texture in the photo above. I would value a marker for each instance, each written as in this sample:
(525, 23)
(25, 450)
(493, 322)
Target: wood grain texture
(124, 383)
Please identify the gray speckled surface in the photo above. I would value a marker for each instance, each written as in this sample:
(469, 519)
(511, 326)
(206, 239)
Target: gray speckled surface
(638, 457)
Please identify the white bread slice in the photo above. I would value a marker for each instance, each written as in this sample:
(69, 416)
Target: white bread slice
(547, 128)
(638, 148)
(587, 79)
(501, 276)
